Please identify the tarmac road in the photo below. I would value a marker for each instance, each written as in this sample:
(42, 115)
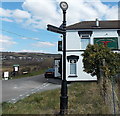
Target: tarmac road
(17, 89)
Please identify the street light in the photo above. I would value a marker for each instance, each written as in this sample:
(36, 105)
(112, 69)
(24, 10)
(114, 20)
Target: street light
(64, 97)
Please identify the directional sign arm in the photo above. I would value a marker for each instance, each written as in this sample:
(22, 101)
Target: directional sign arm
(55, 29)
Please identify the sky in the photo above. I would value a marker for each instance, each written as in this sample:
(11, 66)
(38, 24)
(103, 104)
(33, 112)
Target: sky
(23, 23)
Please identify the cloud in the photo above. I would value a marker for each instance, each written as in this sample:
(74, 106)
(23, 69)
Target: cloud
(2, 49)
(6, 42)
(5, 12)
(47, 11)
(37, 39)
(6, 19)
(37, 14)
(43, 12)
(17, 15)
(32, 51)
(44, 44)
(20, 14)
(112, 13)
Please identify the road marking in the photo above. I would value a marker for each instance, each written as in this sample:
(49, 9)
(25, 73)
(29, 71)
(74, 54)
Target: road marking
(26, 94)
(46, 85)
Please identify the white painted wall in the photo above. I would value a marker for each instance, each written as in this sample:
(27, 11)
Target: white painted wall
(56, 62)
(82, 76)
(73, 40)
(73, 43)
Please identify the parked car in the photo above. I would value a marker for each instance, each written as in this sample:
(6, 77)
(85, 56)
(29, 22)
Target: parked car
(49, 73)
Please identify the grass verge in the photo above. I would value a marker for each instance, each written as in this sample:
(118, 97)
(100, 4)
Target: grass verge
(30, 74)
(84, 98)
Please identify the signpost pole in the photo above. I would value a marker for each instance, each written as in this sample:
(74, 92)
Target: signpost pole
(64, 97)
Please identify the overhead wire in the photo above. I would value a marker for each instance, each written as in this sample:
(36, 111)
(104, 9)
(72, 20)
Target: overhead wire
(20, 35)
(36, 39)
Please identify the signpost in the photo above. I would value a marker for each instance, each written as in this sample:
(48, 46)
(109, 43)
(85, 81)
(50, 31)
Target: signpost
(6, 75)
(63, 97)
(55, 29)
(15, 68)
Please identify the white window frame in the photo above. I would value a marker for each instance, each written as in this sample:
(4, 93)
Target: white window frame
(84, 36)
(75, 74)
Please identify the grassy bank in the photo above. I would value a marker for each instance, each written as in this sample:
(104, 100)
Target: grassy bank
(30, 74)
(84, 98)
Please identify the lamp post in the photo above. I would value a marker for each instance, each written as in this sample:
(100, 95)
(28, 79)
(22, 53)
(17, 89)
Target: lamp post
(64, 97)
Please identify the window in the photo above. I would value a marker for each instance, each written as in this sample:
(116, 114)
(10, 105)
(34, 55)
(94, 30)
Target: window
(73, 67)
(85, 40)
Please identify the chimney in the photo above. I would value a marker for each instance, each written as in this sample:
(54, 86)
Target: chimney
(97, 22)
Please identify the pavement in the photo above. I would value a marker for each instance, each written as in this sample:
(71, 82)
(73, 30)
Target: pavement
(17, 89)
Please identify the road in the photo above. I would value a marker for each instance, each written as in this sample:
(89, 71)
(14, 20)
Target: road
(17, 89)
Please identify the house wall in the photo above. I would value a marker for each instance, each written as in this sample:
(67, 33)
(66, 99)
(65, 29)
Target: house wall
(81, 75)
(73, 47)
(73, 40)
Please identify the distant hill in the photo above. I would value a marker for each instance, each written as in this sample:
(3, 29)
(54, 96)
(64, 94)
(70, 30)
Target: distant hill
(9, 55)
(26, 59)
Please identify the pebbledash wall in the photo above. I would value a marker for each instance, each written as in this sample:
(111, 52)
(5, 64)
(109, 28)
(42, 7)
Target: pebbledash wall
(76, 42)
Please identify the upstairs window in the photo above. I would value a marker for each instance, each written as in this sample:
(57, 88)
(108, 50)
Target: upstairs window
(85, 40)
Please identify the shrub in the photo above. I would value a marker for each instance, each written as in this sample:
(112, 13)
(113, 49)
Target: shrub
(94, 56)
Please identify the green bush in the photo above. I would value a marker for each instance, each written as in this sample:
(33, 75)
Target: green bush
(94, 57)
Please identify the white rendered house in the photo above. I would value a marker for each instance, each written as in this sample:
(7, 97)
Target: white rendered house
(81, 34)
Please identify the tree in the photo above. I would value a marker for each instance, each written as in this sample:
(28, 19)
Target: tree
(94, 57)
(99, 60)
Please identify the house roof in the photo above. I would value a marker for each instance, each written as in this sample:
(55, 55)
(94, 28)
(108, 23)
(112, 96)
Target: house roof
(111, 24)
